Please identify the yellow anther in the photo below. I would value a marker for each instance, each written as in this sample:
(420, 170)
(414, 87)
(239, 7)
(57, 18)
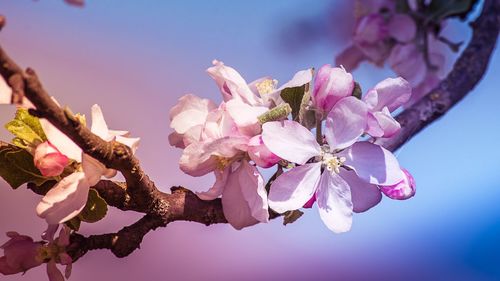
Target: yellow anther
(333, 163)
(267, 86)
(222, 162)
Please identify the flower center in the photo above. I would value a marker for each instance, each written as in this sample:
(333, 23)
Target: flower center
(331, 162)
(222, 162)
(267, 86)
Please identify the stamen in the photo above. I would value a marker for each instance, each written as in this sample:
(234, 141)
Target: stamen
(267, 86)
(222, 162)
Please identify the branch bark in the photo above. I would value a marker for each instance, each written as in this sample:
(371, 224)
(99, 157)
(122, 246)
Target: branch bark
(140, 194)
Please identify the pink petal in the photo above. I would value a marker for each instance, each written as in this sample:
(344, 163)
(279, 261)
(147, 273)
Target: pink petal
(293, 189)
(408, 62)
(260, 154)
(65, 200)
(20, 254)
(190, 111)
(54, 273)
(350, 58)
(402, 28)
(245, 116)
(370, 29)
(364, 195)
(220, 182)
(403, 190)
(331, 85)
(254, 191)
(200, 158)
(49, 160)
(234, 205)
(231, 84)
(93, 169)
(334, 202)
(49, 233)
(391, 93)
(290, 141)
(346, 123)
(387, 123)
(63, 239)
(64, 144)
(373, 163)
(6, 269)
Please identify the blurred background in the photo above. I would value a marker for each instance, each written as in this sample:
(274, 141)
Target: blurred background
(136, 58)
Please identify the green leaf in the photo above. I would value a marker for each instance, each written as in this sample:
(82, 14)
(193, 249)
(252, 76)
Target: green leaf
(74, 223)
(26, 128)
(307, 116)
(17, 167)
(292, 216)
(95, 209)
(441, 9)
(294, 96)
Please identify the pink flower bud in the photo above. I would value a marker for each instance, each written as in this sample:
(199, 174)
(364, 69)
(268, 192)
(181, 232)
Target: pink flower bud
(403, 190)
(20, 254)
(309, 204)
(330, 85)
(260, 154)
(49, 160)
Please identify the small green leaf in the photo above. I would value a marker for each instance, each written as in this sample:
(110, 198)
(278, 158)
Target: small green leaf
(26, 128)
(294, 96)
(441, 9)
(307, 116)
(17, 168)
(95, 209)
(292, 216)
(74, 223)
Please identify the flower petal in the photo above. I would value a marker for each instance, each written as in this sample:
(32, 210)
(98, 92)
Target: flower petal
(330, 85)
(218, 187)
(200, 158)
(65, 200)
(5, 92)
(99, 126)
(364, 195)
(391, 93)
(350, 58)
(254, 191)
(334, 202)
(346, 122)
(231, 84)
(403, 190)
(260, 154)
(373, 163)
(189, 111)
(49, 160)
(402, 27)
(245, 116)
(234, 205)
(64, 144)
(293, 189)
(290, 140)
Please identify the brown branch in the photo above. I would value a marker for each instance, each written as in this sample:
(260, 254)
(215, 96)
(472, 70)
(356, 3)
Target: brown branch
(466, 73)
(140, 193)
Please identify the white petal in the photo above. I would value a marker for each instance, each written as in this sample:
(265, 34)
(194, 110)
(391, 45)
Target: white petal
(99, 126)
(293, 189)
(254, 191)
(334, 202)
(290, 141)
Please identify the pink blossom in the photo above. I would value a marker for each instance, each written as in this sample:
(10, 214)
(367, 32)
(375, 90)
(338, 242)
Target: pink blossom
(330, 85)
(387, 96)
(339, 191)
(69, 196)
(260, 154)
(20, 254)
(244, 198)
(49, 160)
(402, 190)
(261, 92)
(187, 117)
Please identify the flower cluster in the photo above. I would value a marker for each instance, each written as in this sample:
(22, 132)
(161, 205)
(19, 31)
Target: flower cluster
(404, 34)
(59, 159)
(21, 253)
(342, 171)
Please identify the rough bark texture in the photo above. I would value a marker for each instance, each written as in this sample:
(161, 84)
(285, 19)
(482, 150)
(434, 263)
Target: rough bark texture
(140, 194)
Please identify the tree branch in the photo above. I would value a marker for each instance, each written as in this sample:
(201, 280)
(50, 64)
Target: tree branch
(466, 73)
(140, 193)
